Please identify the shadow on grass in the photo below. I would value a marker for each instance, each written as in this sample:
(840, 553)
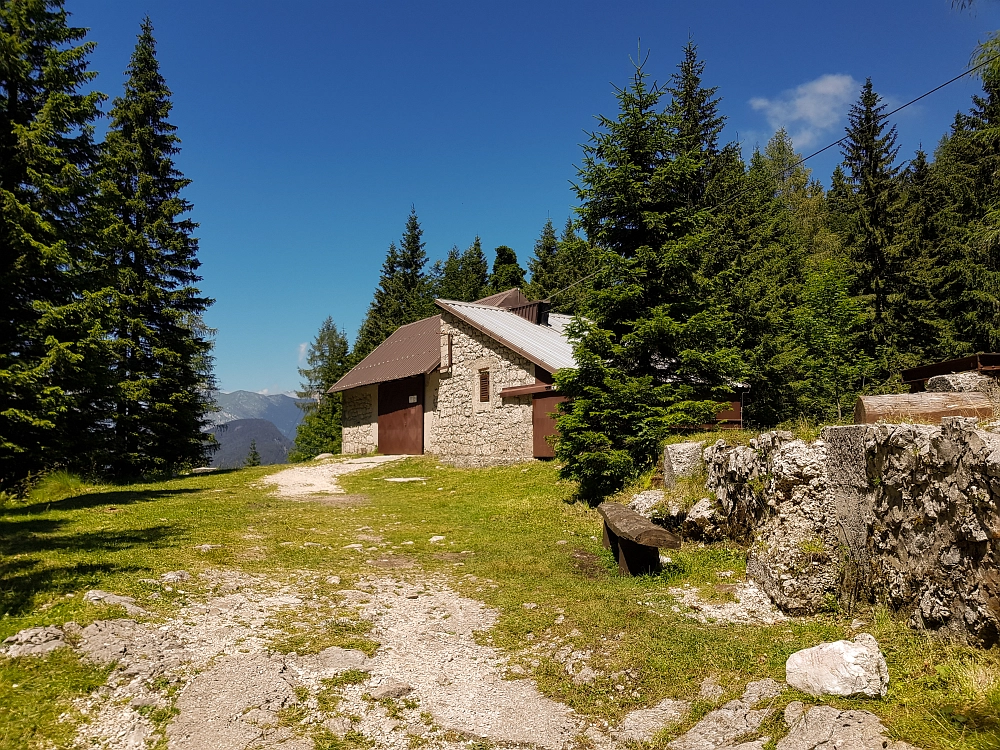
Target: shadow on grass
(123, 496)
(26, 544)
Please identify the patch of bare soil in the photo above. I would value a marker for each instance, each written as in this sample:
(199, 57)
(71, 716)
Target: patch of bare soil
(588, 563)
(306, 482)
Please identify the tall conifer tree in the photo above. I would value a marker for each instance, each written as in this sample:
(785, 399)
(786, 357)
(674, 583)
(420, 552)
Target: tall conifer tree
(49, 345)
(507, 272)
(327, 361)
(544, 264)
(148, 259)
(404, 293)
(651, 354)
(870, 159)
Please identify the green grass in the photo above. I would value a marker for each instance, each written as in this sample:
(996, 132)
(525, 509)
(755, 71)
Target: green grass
(53, 547)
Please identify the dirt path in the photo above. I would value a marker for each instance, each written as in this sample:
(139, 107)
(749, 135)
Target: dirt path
(312, 479)
(210, 677)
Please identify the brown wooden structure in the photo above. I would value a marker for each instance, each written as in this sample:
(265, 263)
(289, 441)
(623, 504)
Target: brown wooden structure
(634, 540)
(917, 377)
(922, 407)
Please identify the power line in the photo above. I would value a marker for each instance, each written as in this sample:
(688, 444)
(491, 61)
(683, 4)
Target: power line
(804, 159)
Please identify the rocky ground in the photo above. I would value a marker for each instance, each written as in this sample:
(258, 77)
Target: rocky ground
(211, 676)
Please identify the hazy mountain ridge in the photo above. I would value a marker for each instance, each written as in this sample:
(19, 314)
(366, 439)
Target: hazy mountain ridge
(234, 443)
(281, 410)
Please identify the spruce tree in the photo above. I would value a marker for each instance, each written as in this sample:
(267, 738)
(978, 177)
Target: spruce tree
(869, 156)
(698, 122)
(253, 457)
(404, 293)
(148, 263)
(576, 262)
(651, 354)
(919, 331)
(474, 272)
(327, 361)
(543, 264)
(463, 275)
(507, 272)
(50, 348)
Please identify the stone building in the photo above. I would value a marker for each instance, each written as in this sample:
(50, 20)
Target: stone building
(473, 384)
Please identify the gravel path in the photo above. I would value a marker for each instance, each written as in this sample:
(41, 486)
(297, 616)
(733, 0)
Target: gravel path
(310, 480)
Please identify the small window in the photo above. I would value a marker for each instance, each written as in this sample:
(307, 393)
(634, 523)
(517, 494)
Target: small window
(484, 386)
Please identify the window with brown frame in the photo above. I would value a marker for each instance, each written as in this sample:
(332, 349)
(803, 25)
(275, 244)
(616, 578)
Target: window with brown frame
(484, 386)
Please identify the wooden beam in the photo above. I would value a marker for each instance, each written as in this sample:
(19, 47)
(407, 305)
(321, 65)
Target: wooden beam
(922, 408)
(629, 525)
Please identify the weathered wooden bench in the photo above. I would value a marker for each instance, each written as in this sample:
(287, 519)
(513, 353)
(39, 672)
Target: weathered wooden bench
(634, 540)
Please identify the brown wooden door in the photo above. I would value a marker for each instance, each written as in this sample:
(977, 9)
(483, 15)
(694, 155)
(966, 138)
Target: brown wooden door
(401, 417)
(543, 422)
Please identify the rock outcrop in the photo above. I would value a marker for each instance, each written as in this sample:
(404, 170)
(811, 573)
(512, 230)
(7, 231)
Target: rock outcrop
(908, 514)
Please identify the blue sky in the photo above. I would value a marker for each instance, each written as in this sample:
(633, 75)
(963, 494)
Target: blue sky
(309, 128)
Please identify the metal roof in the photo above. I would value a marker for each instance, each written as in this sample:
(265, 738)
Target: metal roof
(510, 298)
(559, 322)
(544, 346)
(413, 349)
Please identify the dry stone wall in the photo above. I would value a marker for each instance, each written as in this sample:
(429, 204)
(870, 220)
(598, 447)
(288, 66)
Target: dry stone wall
(474, 433)
(360, 421)
(905, 514)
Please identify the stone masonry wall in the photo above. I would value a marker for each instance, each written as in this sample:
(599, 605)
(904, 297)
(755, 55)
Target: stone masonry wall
(360, 422)
(499, 431)
(904, 514)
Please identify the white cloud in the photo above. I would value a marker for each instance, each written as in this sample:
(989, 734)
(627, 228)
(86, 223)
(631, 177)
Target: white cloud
(302, 352)
(812, 109)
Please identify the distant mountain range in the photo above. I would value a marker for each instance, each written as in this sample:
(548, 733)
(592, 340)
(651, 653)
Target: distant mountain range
(281, 410)
(234, 441)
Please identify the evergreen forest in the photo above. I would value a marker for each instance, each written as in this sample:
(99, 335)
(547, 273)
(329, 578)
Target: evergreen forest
(696, 271)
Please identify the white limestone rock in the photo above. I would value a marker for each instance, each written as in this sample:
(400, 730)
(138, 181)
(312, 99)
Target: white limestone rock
(841, 668)
(641, 725)
(686, 459)
(824, 727)
(33, 642)
(644, 502)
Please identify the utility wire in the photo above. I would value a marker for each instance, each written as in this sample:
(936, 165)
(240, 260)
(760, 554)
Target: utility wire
(804, 159)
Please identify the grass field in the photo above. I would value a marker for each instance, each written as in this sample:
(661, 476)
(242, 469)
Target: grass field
(529, 544)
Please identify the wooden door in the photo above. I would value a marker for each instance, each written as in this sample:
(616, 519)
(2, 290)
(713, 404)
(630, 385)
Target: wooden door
(401, 417)
(543, 422)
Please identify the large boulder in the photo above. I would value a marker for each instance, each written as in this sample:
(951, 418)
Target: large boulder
(842, 668)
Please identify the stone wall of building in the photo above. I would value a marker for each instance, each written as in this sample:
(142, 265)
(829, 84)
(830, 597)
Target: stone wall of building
(360, 420)
(903, 514)
(498, 431)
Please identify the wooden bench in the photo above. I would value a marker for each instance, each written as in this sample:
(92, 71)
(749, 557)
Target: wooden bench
(634, 540)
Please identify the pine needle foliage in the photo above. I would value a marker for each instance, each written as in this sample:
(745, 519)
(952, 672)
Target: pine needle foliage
(49, 348)
(327, 361)
(147, 260)
(650, 350)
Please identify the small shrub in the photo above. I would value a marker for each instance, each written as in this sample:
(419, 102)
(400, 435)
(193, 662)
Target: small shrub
(973, 685)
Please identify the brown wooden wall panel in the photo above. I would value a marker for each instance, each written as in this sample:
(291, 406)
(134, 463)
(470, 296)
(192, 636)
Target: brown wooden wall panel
(543, 422)
(400, 421)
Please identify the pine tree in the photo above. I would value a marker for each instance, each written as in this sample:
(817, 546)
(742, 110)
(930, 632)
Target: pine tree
(327, 361)
(967, 164)
(759, 286)
(507, 272)
(869, 155)
(463, 275)
(919, 332)
(698, 122)
(50, 347)
(404, 293)
(253, 457)
(148, 263)
(544, 264)
(651, 354)
(576, 264)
